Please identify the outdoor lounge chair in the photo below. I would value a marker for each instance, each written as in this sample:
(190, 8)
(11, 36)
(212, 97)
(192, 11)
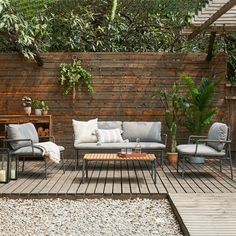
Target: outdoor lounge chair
(216, 145)
(23, 141)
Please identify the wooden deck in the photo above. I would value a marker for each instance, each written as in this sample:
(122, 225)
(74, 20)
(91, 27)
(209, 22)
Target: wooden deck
(111, 178)
(205, 200)
(207, 214)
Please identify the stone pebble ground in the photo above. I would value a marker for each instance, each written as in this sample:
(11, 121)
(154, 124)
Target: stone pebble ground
(87, 217)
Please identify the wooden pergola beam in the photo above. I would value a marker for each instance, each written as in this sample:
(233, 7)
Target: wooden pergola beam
(213, 18)
(211, 46)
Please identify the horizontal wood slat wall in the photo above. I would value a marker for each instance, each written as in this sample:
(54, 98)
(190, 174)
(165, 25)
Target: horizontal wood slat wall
(123, 84)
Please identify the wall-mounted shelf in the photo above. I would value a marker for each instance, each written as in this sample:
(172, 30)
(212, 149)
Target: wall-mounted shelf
(43, 124)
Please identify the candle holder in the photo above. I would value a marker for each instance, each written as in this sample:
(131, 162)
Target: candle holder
(13, 170)
(4, 165)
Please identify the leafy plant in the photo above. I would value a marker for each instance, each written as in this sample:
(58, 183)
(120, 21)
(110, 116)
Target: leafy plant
(37, 104)
(199, 114)
(73, 77)
(173, 104)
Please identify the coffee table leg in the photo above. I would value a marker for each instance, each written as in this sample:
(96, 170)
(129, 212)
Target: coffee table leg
(86, 164)
(83, 171)
(155, 171)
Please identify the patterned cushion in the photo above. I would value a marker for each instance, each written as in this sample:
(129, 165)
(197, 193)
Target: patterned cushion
(218, 131)
(109, 135)
(84, 131)
(146, 131)
(22, 131)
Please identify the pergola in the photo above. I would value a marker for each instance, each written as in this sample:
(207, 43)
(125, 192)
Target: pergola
(217, 17)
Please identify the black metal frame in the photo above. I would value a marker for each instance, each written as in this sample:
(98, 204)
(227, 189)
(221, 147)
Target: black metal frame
(8, 174)
(7, 143)
(202, 139)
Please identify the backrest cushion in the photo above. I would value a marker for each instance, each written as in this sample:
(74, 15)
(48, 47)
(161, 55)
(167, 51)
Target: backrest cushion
(22, 131)
(84, 131)
(146, 131)
(109, 125)
(218, 131)
(109, 135)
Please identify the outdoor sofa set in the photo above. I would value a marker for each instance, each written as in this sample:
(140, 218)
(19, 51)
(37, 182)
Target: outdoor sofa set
(112, 136)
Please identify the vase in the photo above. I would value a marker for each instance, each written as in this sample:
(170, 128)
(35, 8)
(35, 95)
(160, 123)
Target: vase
(27, 110)
(45, 113)
(38, 112)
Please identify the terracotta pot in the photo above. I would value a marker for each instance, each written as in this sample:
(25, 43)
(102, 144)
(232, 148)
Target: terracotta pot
(27, 110)
(45, 113)
(172, 158)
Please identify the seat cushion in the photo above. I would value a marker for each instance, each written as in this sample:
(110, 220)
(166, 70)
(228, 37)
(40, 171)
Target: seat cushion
(22, 131)
(118, 146)
(218, 131)
(146, 131)
(110, 125)
(203, 150)
(84, 131)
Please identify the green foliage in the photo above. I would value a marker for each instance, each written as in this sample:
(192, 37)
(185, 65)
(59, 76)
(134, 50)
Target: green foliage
(173, 104)
(73, 76)
(37, 104)
(198, 116)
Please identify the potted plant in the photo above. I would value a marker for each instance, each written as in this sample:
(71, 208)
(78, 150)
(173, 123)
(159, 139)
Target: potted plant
(37, 105)
(198, 116)
(27, 104)
(173, 104)
(45, 108)
(73, 77)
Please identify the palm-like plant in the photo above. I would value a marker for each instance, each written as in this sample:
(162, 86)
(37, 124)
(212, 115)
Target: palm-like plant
(199, 114)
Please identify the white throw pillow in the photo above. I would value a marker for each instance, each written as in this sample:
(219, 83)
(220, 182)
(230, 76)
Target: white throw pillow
(84, 131)
(109, 136)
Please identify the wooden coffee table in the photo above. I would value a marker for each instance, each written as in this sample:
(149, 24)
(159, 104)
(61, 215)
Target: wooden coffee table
(114, 157)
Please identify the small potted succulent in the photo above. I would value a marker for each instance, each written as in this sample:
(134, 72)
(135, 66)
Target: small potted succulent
(45, 107)
(27, 101)
(37, 105)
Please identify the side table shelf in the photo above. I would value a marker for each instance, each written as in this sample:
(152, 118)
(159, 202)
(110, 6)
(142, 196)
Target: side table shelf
(43, 124)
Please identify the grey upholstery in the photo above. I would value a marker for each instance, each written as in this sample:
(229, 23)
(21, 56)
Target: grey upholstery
(109, 124)
(218, 131)
(118, 146)
(217, 145)
(27, 151)
(202, 150)
(146, 131)
(22, 131)
(21, 148)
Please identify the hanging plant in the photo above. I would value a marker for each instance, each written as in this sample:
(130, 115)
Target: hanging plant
(73, 77)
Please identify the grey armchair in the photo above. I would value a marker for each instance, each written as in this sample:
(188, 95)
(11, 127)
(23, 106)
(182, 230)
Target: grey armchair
(22, 139)
(216, 145)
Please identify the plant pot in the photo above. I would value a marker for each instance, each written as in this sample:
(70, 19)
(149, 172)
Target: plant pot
(45, 113)
(38, 112)
(27, 110)
(172, 158)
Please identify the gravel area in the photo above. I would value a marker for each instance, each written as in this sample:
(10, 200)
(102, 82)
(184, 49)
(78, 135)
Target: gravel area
(87, 217)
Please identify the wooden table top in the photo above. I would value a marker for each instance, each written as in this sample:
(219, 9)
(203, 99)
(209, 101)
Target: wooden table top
(115, 157)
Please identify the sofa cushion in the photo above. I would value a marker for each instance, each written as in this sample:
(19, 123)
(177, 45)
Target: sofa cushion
(22, 131)
(117, 146)
(109, 135)
(109, 125)
(84, 131)
(146, 131)
(218, 131)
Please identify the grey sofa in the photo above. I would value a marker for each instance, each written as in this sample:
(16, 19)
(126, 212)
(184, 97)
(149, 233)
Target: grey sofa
(149, 133)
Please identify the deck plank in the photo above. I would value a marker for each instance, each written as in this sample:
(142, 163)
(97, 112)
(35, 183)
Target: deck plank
(207, 214)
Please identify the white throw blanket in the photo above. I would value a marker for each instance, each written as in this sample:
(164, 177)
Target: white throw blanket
(50, 150)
